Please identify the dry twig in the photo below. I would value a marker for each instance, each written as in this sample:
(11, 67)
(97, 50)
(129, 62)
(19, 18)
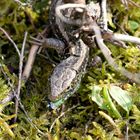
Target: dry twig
(31, 59)
(104, 14)
(61, 115)
(111, 121)
(20, 75)
(126, 38)
(135, 77)
(10, 39)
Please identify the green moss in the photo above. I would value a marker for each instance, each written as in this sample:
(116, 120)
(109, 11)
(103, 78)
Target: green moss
(80, 117)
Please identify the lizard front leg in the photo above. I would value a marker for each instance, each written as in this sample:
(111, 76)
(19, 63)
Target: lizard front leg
(53, 43)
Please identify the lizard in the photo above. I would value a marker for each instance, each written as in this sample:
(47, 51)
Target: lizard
(67, 75)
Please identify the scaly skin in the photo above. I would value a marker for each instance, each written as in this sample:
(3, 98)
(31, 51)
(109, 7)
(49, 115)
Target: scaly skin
(56, 24)
(66, 76)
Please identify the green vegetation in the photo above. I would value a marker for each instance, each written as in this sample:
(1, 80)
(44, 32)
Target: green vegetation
(106, 107)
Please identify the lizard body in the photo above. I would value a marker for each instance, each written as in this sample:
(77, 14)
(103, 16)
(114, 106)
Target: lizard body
(67, 75)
